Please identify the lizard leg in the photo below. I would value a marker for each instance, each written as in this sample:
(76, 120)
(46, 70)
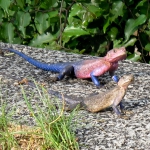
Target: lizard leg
(124, 111)
(116, 110)
(114, 77)
(68, 70)
(95, 80)
(121, 107)
(99, 71)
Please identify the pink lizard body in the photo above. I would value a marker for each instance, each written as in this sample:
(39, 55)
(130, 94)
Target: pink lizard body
(90, 68)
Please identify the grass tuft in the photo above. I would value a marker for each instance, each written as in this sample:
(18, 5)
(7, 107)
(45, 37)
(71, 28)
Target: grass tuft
(53, 130)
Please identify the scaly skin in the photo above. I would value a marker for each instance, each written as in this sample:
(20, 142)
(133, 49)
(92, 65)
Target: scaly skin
(91, 68)
(111, 98)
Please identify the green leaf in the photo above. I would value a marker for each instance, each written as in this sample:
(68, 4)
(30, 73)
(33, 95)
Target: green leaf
(1, 15)
(96, 11)
(141, 3)
(117, 43)
(41, 39)
(17, 40)
(147, 32)
(143, 7)
(131, 42)
(5, 4)
(134, 57)
(76, 10)
(132, 25)
(102, 48)
(53, 14)
(120, 43)
(41, 22)
(8, 32)
(72, 31)
(81, 16)
(113, 33)
(48, 4)
(23, 20)
(106, 24)
(147, 47)
(117, 10)
(20, 3)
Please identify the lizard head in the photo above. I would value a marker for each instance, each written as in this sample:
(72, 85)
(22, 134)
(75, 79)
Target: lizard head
(116, 54)
(126, 80)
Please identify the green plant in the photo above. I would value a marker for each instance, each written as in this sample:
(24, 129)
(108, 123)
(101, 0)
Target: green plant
(56, 128)
(7, 140)
(53, 128)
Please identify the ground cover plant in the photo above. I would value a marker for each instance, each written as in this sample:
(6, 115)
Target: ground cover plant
(53, 130)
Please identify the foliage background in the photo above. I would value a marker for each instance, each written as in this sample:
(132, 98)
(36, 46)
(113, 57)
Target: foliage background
(80, 26)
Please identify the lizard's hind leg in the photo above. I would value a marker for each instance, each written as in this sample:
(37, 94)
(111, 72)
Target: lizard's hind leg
(68, 70)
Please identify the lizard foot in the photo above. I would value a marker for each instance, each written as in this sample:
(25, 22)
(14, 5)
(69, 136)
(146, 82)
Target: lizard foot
(124, 117)
(99, 86)
(115, 78)
(128, 112)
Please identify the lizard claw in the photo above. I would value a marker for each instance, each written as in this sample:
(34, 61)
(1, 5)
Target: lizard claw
(124, 117)
(128, 112)
(99, 86)
(124, 114)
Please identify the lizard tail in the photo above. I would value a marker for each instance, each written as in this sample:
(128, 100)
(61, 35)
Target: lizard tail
(43, 66)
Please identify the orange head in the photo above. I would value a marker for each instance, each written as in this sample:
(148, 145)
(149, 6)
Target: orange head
(116, 54)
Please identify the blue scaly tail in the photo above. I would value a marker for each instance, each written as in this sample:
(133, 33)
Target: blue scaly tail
(47, 67)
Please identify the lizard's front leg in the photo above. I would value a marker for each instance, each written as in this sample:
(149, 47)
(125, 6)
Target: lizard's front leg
(114, 77)
(95, 80)
(97, 72)
(97, 83)
(68, 70)
(116, 110)
(121, 107)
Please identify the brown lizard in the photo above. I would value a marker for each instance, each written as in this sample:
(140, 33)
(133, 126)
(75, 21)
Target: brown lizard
(95, 103)
(111, 98)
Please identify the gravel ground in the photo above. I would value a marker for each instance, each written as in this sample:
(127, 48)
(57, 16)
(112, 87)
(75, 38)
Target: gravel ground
(95, 131)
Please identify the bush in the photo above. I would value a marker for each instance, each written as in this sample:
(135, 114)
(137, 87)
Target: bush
(80, 26)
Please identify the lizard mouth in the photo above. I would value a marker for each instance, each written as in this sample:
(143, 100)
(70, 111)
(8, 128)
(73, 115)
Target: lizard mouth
(119, 58)
(126, 80)
(132, 80)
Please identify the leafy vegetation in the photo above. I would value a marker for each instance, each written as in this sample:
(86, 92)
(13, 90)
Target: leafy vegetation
(80, 26)
(53, 130)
